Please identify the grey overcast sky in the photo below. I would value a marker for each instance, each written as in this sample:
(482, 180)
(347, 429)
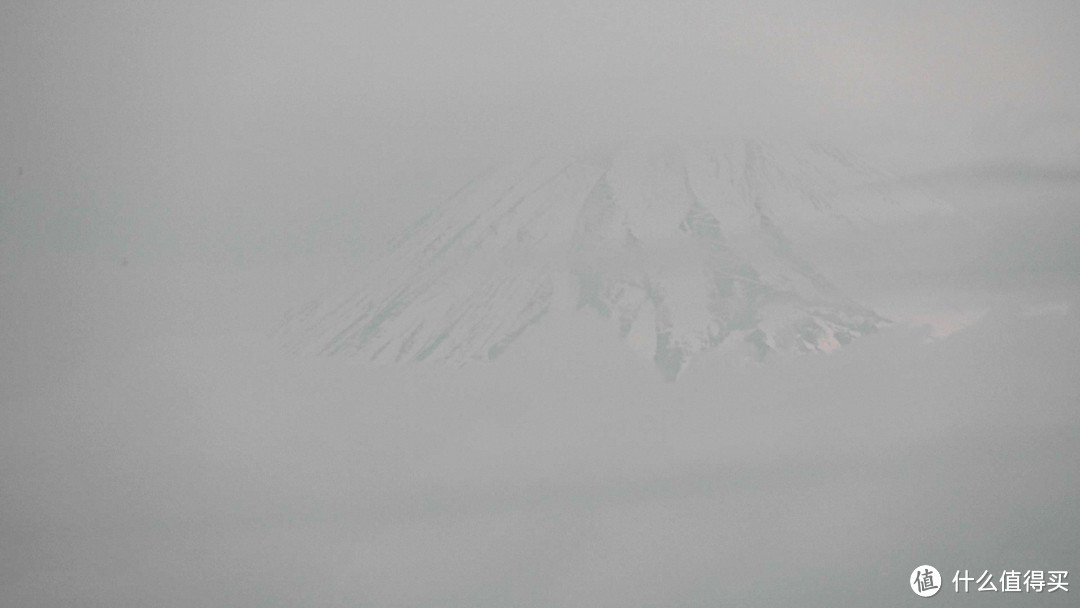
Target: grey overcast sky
(257, 74)
(239, 134)
(260, 109)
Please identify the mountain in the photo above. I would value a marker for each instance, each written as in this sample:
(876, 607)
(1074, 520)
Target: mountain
(682, 247)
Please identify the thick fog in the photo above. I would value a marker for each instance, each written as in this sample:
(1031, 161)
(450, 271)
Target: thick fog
(175, 178)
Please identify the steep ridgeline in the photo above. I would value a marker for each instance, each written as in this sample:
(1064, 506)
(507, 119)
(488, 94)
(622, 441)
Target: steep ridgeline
(682, 248)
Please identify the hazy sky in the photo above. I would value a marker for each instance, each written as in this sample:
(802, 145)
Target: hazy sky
(286, 119)
(255, 77)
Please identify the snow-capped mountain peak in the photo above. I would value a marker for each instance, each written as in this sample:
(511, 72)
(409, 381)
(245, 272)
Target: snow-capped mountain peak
(681, 248)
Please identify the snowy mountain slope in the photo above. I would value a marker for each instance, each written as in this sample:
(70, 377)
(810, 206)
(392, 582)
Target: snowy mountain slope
(680, 247)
